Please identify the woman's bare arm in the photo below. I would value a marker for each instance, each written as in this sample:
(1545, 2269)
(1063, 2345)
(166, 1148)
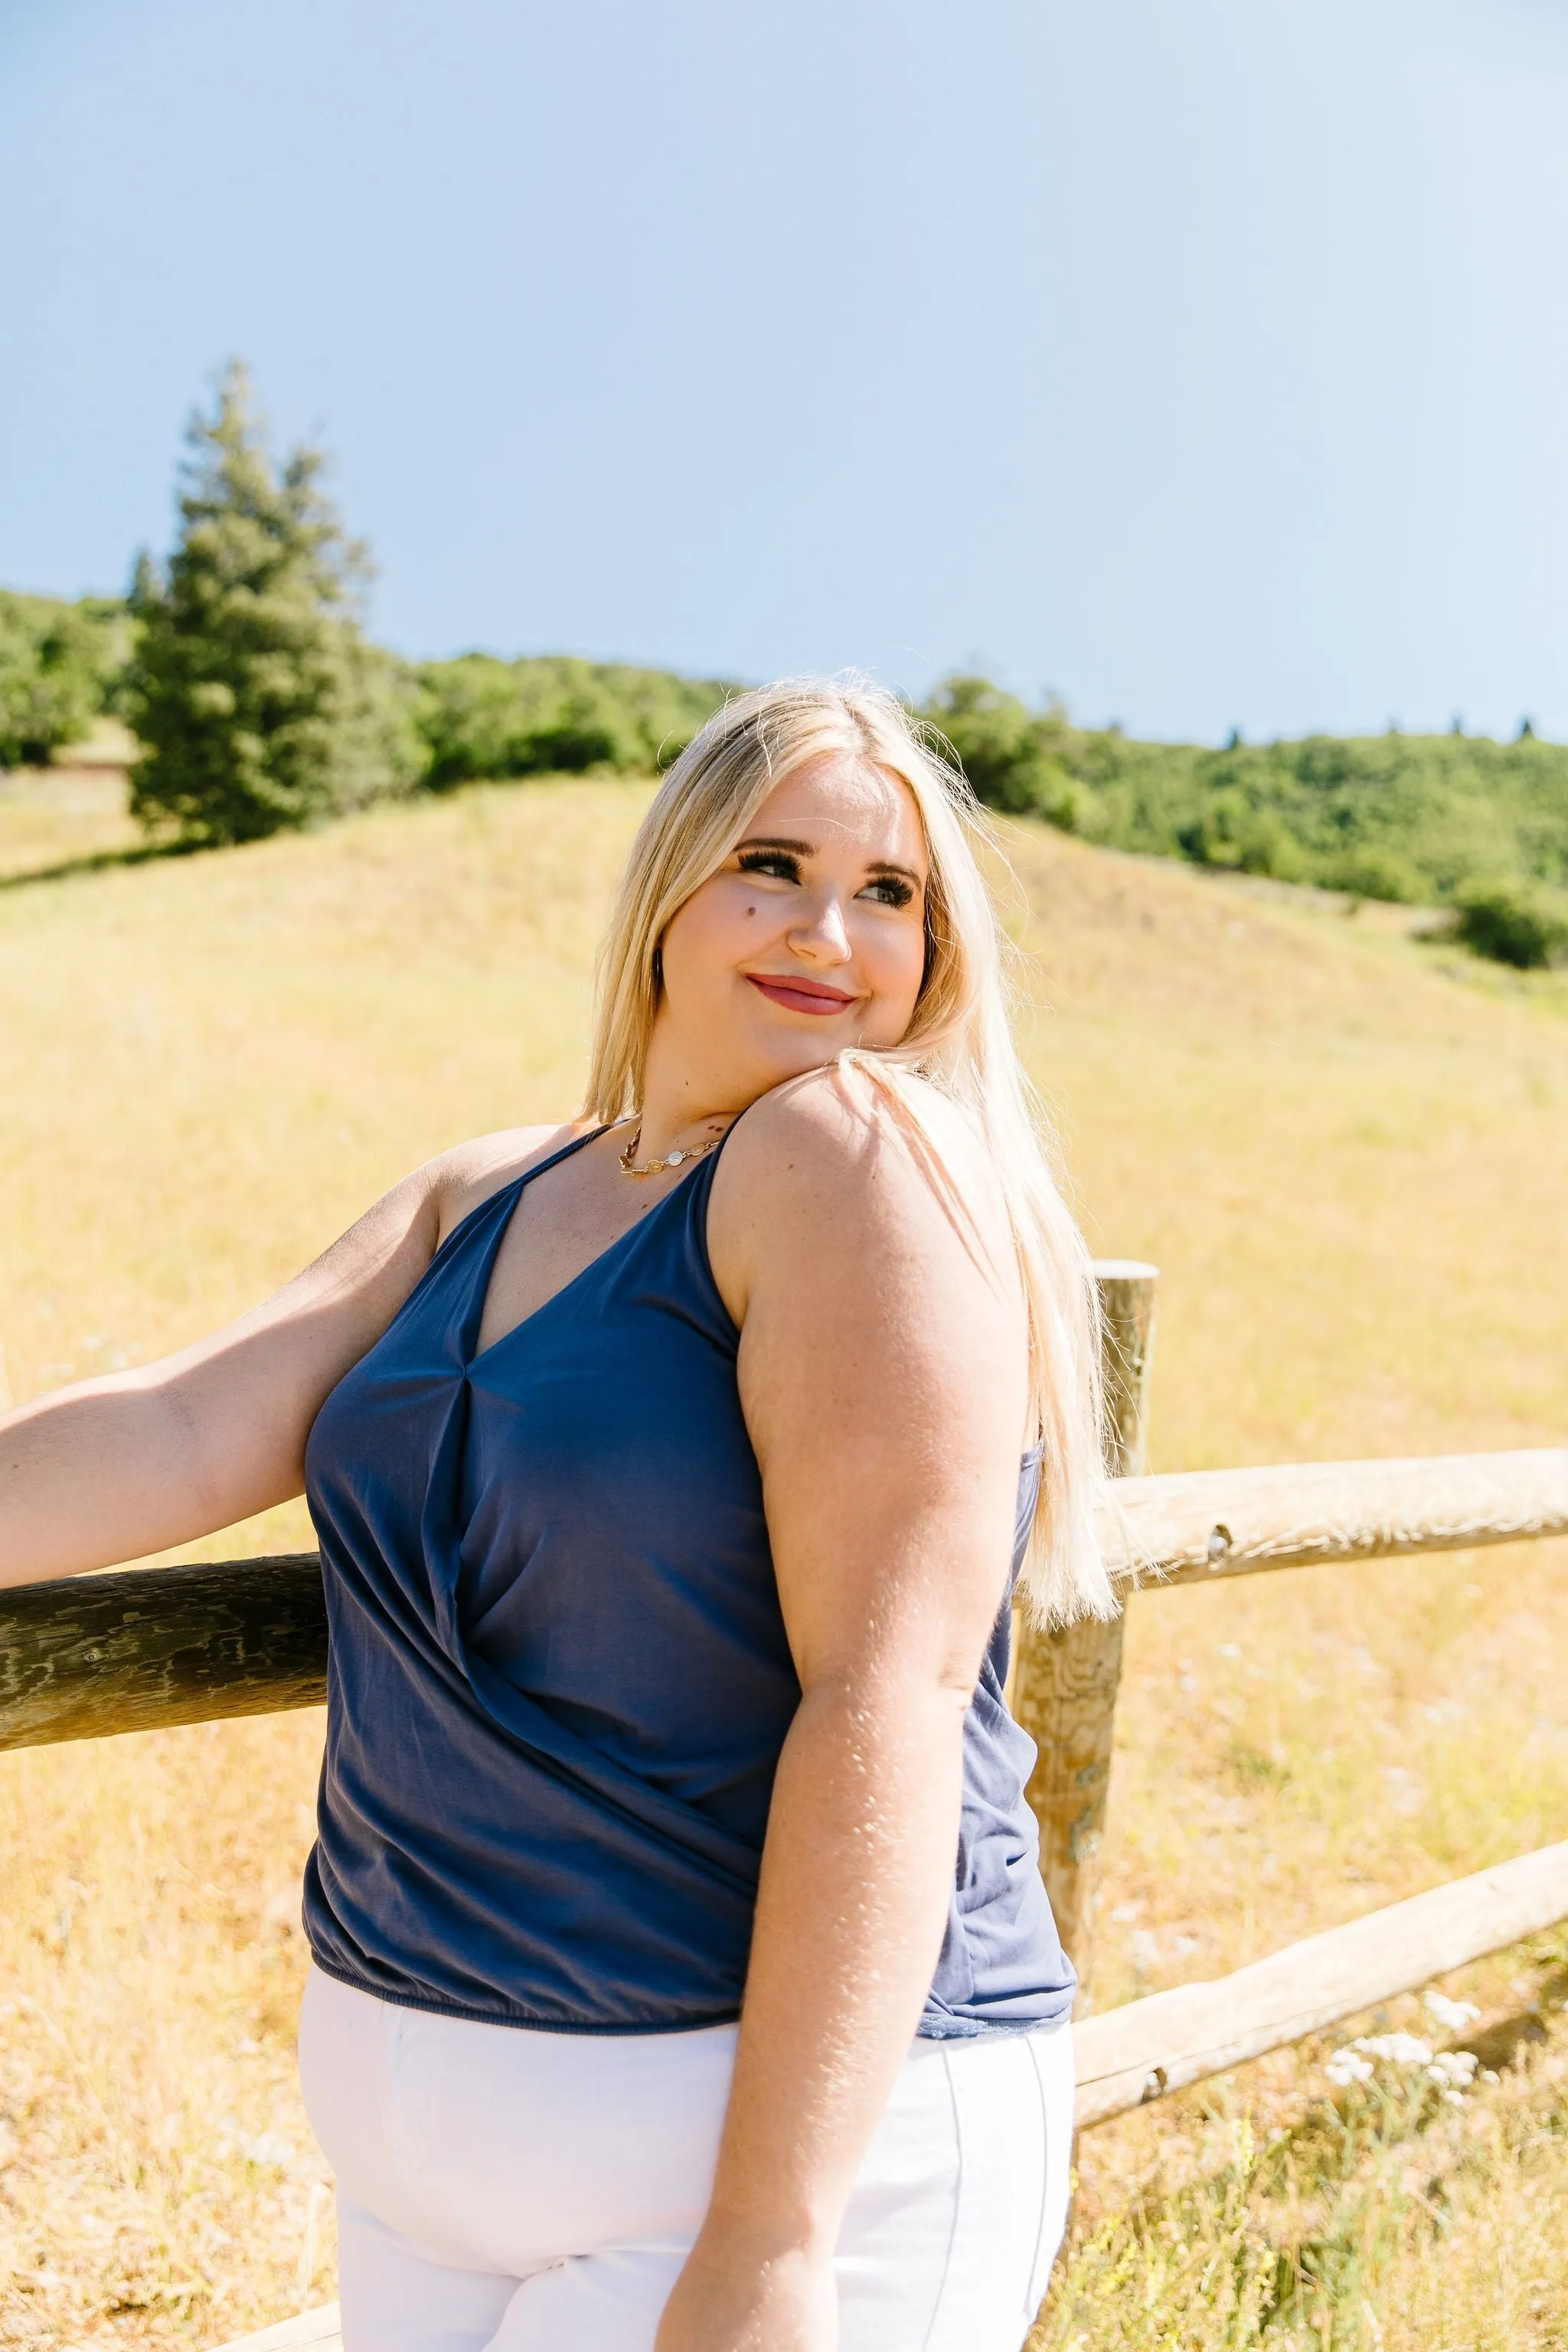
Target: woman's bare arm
(112, 1469)
(884, 1380)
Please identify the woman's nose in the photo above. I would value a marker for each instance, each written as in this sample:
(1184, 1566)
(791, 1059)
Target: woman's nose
(822, 932)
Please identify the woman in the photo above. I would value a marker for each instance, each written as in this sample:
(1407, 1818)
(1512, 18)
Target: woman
(673, 1468)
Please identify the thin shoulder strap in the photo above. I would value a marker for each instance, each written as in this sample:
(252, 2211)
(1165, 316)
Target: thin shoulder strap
(555, 1158)
(505, 1197)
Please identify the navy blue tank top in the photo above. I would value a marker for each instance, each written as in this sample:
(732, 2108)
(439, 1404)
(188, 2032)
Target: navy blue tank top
(559, 1679)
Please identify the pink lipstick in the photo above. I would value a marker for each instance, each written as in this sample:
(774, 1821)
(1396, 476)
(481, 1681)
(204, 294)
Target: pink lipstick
(800, 995)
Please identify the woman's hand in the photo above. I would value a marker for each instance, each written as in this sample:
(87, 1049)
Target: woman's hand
(727, 2301)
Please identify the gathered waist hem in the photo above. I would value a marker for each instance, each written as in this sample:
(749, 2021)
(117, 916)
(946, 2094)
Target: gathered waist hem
(433, 2005)
(930, 2029)
(989, 2028)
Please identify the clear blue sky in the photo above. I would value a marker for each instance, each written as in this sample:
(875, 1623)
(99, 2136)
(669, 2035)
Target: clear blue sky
(1207, 360)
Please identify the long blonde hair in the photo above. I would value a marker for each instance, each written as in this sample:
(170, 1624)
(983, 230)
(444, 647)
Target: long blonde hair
(960, 1039)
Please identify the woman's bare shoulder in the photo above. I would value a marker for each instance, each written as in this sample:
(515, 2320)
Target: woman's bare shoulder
(461, 1180)
(822, 1163)
(850, 1123)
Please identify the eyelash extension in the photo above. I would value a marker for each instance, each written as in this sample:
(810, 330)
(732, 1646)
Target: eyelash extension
(757, 861)
(891, 888)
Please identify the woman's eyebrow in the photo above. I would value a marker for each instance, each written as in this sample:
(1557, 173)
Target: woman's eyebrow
(798, 848)
(777, 841)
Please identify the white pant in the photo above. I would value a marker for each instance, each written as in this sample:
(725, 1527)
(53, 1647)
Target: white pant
(539, 2192)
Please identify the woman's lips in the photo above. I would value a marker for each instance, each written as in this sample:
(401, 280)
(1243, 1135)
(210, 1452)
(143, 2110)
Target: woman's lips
(799, 995)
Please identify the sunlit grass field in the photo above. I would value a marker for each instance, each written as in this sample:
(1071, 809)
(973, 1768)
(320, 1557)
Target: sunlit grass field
(1346, 1148)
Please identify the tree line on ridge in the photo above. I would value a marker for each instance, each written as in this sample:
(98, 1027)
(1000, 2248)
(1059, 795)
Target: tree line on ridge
(242, 667)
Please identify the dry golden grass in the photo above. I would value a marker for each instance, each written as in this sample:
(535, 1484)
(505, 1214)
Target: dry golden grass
(51, 816)
(1346, 1151)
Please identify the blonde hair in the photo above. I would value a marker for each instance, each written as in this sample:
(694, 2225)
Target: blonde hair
(960, 1040)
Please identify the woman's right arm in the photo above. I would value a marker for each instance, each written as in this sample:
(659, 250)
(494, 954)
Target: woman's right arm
(115, 1468)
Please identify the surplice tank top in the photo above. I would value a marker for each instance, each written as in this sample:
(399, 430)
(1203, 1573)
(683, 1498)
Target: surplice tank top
(559, 1679)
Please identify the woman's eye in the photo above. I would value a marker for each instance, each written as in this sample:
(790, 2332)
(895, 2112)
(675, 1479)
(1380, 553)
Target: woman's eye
(776, 861)
(889, 891)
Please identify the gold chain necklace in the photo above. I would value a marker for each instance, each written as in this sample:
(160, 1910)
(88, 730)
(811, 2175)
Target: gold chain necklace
(672, 1159)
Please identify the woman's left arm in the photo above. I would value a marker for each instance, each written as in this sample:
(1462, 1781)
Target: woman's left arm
(883, 1375)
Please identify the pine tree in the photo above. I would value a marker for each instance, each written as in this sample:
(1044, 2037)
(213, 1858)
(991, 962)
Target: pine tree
(257, 702)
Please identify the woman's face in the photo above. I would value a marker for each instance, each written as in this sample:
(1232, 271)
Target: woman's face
(810, 938)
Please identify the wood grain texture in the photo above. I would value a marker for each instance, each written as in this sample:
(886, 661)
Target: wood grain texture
(1192, 1526)
(1150, 2047)
(1064, 1683)
(313, 2331)
(148, 1647)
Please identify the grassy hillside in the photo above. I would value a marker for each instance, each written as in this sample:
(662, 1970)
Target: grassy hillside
(1453, 821)
(1435, 820)
(50, 815)
(1344, 1146)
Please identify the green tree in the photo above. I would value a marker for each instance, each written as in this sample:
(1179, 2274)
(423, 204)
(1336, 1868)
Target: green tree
(58, 662)
(1522, 923)
(258, 700)
(1011, 756)
(551, 713)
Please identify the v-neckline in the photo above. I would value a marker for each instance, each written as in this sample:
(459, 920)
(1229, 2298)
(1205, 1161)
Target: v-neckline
(517, 1188)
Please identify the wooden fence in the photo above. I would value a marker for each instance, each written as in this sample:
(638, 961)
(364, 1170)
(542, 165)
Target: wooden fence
(131, 1650)
(1190, 1529)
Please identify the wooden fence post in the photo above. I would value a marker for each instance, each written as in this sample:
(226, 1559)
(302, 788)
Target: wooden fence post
(1064, 1683)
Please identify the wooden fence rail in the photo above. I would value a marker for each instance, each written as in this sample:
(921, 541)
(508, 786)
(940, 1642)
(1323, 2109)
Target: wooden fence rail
(313, 2331)
(1199, 1524)
(141, 1649)
(1129, 2055)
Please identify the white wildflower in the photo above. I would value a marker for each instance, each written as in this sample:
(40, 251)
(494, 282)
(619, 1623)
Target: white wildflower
(1453, 2016)
(1398, 2048)
(269, 2149)
(1454, 2071)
